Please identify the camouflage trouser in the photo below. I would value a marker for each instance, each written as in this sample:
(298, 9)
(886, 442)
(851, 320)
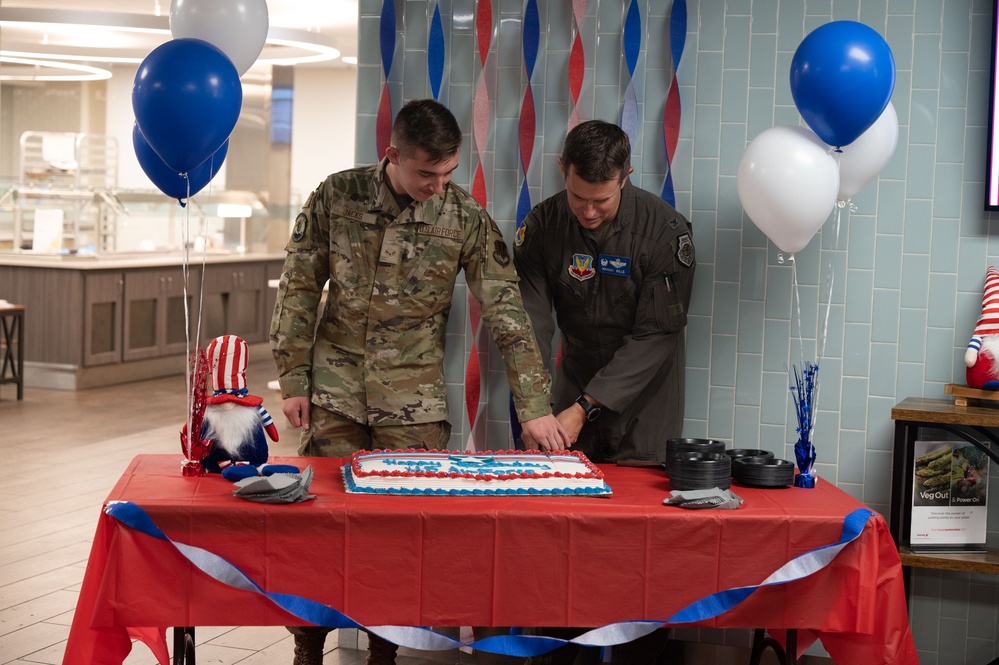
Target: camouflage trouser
(332, 435)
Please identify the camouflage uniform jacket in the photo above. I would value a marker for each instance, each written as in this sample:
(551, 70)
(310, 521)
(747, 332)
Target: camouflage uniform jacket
(377, 353)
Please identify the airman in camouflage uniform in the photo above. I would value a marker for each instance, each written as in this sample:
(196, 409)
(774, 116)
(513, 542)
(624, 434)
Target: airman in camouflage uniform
(390, 239)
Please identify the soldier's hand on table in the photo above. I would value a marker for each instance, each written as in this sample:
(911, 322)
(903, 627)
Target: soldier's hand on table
(545, 433)
(296, 410)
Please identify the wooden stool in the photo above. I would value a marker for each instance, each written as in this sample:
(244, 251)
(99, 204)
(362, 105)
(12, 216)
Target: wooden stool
(12, 346)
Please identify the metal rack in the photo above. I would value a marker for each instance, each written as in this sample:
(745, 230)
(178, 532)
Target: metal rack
(76, 173)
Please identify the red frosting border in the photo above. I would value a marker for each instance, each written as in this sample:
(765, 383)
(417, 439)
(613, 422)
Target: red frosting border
(355, 465)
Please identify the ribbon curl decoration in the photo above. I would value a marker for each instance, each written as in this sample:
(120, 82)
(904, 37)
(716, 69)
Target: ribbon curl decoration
(523, 646)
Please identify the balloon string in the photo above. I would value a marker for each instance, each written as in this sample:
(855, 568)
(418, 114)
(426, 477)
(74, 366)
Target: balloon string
(185, 235)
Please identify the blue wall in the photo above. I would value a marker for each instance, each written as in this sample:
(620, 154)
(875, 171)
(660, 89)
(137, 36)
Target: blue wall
(907, 264)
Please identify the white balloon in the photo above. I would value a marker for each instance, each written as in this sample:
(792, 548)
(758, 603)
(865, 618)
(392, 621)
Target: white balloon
(787, 183)
(238, 28)
(862, 161)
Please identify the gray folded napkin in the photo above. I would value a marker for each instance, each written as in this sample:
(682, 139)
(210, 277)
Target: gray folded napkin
(711, 498)
(276, 488)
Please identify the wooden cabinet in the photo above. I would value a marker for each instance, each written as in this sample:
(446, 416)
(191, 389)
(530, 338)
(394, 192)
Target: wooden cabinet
(234, 297)
(102, 308)
(154, 319)
(107, 321)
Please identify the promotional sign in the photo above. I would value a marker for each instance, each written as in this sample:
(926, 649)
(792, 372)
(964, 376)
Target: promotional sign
(949, 497)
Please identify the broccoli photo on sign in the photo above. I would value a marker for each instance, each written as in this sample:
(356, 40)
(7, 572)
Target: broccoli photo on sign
(969, 476)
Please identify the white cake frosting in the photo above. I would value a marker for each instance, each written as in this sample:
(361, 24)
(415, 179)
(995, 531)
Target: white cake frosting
(495, 473)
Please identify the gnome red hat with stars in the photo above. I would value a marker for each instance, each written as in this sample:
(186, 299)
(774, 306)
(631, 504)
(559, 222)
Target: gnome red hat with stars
(982, 356)
(234, 420)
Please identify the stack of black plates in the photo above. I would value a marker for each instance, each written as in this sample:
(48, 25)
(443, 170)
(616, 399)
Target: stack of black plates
(676, 446)
(700, 471)
(762, 472)
(737, 453)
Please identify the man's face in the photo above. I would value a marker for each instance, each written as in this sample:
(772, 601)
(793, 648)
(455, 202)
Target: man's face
(414, 174)
(593, 203)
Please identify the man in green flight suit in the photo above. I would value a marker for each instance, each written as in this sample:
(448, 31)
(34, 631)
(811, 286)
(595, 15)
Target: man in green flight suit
(390, 239)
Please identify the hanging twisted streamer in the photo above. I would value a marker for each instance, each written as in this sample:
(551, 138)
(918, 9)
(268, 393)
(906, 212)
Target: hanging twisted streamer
(386, 39)
(530, 37)
(632, 47)
(480, 134)
(522, 646)
(671, 112)
(577, 59)
(435, 52)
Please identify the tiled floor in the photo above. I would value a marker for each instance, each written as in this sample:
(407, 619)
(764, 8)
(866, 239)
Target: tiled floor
(62, 452)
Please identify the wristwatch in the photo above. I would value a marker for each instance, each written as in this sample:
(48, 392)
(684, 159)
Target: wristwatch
(590, 411)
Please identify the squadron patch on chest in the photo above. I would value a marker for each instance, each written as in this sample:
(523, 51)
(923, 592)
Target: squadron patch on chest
(581, 267)
(440, 232)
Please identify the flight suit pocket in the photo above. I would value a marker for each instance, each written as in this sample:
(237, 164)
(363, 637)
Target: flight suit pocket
(431, 281)
(671, 315)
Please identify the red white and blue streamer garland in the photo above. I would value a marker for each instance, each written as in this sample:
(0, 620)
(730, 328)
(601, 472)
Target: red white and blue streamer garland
(480, 134)
(632, 47)
(386, 39)
(415, 637)
(435, 52)
(530, 36)
(577, 60)
(671, 113)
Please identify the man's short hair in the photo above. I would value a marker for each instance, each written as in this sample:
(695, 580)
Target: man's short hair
(429, 125)
(598, 151)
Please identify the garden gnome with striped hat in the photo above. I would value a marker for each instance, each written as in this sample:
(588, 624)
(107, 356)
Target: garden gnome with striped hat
(235, 421)
(982, 356)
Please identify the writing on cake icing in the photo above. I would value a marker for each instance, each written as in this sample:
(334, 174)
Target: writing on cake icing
(484, 465)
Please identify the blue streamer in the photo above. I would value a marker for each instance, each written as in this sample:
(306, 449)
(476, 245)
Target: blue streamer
(677, 31)
(523, 646)
(632, 36)
(387, 35)
(435, 52)
(531, 36)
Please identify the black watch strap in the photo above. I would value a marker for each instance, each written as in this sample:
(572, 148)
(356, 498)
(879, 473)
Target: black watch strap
(591, 411)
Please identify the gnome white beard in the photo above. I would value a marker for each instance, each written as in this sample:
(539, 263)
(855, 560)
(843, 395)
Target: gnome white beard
(231, 426)
(990, 349)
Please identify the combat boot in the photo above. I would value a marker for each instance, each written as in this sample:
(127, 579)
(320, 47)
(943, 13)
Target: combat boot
(380, 651)
(309, 648)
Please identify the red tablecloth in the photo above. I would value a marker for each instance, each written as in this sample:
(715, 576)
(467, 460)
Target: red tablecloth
(484, 561)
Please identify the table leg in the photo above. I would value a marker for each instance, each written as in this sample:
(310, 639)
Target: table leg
(762, 641)
(11, 336)
(183, 645)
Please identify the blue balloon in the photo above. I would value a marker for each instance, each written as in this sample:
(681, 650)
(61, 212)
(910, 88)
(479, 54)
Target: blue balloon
(171, 183)
(842, 77)
(186, 97)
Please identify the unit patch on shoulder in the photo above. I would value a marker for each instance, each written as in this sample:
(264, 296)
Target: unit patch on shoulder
(685, 250)
(501, 253)
(518, 235)
(301, 224)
